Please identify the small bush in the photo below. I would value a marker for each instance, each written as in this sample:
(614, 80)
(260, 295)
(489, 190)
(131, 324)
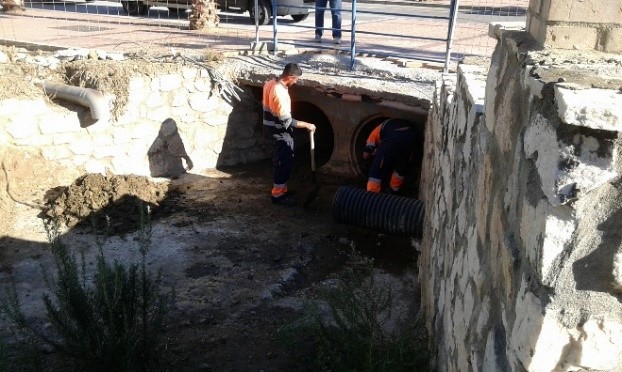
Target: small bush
(350, 335)
(111, 323)
(3, 357)
(21, 355)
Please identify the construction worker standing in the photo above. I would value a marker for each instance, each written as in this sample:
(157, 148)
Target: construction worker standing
(392, 145)
(279, 124)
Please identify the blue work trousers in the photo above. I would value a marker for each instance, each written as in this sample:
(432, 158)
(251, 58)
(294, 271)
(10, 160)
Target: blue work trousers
(282, 161)
(394, 154)
(335, 11)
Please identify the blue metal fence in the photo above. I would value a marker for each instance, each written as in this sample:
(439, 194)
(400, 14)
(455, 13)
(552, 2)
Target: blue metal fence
(450, 20)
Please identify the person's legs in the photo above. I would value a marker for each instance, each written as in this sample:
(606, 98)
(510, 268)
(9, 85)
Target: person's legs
(282, 162)
(320, 7)
(374, 180)
(380, 168)
(404, 161)
(335, 11)
(402, 170)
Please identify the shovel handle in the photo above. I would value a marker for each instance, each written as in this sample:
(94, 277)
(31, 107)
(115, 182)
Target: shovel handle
(312, 148)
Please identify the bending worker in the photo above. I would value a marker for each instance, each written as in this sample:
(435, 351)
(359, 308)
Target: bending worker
(392, 145)
(279, 124)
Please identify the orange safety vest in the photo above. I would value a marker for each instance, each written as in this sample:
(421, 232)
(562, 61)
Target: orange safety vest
(373, 140)
(277, 109)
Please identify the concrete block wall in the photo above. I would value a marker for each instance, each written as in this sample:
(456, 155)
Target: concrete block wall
(576, 24)
(214, 131)
(522, 245)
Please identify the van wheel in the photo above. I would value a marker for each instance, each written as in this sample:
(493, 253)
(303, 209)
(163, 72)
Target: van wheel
(135, 8)
(265, 11)
(300, 17)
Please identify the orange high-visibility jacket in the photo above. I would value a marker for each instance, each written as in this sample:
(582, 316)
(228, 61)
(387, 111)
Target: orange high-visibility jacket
(374, 139)
(277, 109)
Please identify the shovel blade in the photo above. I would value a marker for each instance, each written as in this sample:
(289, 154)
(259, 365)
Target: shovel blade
(312, 196)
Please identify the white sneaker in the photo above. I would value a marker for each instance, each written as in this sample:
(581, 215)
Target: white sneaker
(336, 40)
(318, 39)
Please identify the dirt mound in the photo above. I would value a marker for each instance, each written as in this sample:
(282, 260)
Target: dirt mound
(110, 202)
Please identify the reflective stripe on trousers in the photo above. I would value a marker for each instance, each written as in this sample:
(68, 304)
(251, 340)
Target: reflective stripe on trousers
(282, 163)
(396, 181)
(374, 184)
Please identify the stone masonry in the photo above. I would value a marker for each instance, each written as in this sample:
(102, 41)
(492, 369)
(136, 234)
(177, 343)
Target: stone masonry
(216, 130)
(522, 248)
(576, 24)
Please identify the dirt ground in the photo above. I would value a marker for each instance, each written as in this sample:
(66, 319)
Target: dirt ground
(240, 266)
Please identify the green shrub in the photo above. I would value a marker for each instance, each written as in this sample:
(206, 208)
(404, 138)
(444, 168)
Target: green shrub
(3, 357)
(21, 355)
(350, 336)
(111, 323)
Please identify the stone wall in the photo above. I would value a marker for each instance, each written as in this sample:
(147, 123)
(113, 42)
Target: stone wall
(215, 130)
(577, 24)
(520, 263)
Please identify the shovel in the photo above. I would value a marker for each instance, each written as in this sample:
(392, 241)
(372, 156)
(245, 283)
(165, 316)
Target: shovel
(315, 193)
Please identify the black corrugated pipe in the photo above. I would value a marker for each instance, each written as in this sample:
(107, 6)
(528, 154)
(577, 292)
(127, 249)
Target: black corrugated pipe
(384, 213)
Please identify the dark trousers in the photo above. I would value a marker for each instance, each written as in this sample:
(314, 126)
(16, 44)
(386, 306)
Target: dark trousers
(395, 154)
(282, 161)
(335, 11)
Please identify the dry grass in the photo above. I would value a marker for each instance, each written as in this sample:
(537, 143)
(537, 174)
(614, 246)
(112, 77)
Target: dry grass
(113, 77)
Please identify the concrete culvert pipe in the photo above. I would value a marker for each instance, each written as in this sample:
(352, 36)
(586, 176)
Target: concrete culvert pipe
(384, 213)
(86, 97)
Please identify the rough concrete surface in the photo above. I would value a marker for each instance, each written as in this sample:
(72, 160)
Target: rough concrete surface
(521, 245)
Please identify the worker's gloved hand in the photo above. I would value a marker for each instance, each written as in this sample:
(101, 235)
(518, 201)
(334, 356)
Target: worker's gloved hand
(366, 155)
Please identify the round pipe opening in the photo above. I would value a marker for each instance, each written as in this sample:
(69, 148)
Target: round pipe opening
(324, 135)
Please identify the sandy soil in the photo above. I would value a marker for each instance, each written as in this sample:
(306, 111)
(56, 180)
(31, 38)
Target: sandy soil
(241, 267)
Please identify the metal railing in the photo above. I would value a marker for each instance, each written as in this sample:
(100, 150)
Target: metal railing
(406, 35)
(450, 20)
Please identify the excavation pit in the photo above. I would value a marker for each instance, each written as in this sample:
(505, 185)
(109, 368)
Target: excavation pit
(241, 266)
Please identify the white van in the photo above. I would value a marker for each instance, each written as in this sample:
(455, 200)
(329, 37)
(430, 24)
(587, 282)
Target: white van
(297, 9)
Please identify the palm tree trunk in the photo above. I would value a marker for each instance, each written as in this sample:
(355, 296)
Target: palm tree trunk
(11, 5)
(203, 14)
